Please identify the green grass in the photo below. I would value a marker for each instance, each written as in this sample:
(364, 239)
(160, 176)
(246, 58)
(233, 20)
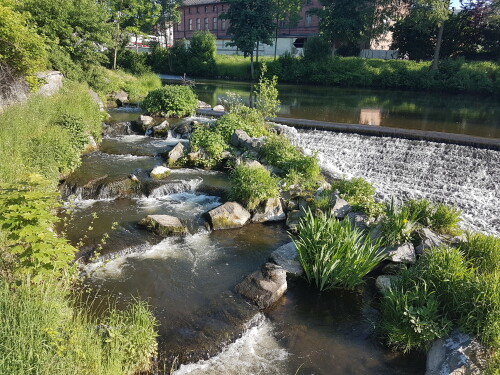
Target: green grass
(333, 253)
(33, 142)
(483, 252)
(173, 100)
(42, 333)
(397, 225)
(359, 193)
(252, 185)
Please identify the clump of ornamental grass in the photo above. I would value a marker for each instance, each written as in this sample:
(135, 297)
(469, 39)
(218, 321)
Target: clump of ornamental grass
(359, 193)
(483, 252)
(440, 217)
(252, 185)
(397, 225)
(333, 253)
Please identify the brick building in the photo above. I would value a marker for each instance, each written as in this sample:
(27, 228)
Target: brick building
(204, 15)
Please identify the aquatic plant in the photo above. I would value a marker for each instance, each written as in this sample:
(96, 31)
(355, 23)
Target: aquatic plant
(333, 253)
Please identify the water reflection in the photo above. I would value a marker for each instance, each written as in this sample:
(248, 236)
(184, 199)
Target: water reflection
(463, 114)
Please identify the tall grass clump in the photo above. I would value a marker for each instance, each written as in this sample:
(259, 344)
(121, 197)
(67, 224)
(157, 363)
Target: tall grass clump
(210, 144)
(359, 193)
(397, 225)
(42, 333)
(252, 185)
(46, 135)
(483, 252)
(244, 118)
(333, 253)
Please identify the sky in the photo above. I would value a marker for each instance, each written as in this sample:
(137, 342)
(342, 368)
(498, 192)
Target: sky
(455, 3)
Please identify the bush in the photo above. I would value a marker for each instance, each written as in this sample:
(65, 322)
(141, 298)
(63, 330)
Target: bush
(266, 95)
(75, 126)
(317, 49)
(42, 333)
(201, 54)
(397, 225)
(252, 185)
(210, 142)
(410, 316)
(333, 254)
(245, 119)
(441, 217)
(359, 193)
(135, 63)
(482, 252)
(176, 101)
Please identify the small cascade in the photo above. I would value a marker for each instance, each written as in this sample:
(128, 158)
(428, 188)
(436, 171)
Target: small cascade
(103, 188)
(174, 187)
(463, 176)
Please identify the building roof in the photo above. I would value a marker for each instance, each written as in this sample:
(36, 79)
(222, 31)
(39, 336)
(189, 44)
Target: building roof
(199, 2)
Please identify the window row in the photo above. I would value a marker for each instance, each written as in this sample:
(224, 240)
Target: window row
(197, 9)
(206, 26)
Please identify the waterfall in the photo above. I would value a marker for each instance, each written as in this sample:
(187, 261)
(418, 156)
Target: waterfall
(463, 176)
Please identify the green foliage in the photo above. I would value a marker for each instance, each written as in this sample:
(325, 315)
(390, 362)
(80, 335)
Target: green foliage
(317, 49)
(411, 318)
(440, 217)
(244, 118)
(76, 128)
(135, 63)
(201, 53)
(252, 185)
(21, 48)
(209, 142)
(43, 333)
(33, 142)
(359, 193)
(483, 252)
(176, 101)
(397, 225)
(332, 253)
(29, 245)
(266, 93)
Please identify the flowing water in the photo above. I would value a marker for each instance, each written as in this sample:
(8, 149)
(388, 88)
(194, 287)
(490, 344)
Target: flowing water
(462, 114)
(206, 328)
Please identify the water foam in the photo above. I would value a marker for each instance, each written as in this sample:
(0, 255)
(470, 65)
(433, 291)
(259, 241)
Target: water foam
(466, 177)
(256, 352)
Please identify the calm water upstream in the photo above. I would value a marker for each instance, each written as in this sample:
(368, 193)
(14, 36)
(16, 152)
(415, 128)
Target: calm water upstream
(463, 114)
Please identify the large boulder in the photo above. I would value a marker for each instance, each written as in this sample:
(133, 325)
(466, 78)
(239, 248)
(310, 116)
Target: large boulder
(145, 121)
(265, 286)
(219, 108)
(121, 98)
(203, 105)
(229, 215)
(384, 282)
(160, 172)
(270, 210)
(176, 153)
(458, 354)
(428, 240)
(286, 256)
(164, 225)
(402, 253)
(52, 82)
(358, 220)
(241, 139)
(161, 130)
(184, 128)
(341, 208)
(293, 219)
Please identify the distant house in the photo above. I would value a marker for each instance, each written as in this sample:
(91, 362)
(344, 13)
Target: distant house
(205, 15)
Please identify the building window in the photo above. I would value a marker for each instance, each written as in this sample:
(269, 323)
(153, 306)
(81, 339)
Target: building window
(215, 9)
(206, 9)
(223, 7)
(308, 20)
(214, 23)
(198, 24)
(190, 25)
(197, 9)
(189, 10)
(223, 25)
(205, 26)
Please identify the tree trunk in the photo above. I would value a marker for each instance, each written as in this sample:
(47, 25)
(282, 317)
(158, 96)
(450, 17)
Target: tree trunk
(257, 54)
(115, 57)
(251, 65)
(438, 47)
(276, 39)
(136, 43)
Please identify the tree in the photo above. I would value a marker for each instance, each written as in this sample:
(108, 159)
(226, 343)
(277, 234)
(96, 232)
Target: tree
(170, 15)
(201, 53)
(286, 11)
(347, 22)
(251, 23)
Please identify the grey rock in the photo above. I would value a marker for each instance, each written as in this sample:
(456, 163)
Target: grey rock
(393, 268)
(384, 283)
(229, 215)
(52, 82)
(265, 286)
(121, 98)
(376, 232)
(159, 172)
(91, 145)
(270, 210)
(253, 164)
(176, 153)
(358, 220)
(458, 354)
(161, 129)
(293, 218)
(428, 240)
(341, 208)
(241, 139)
(203, 105)
(218, 108)
(403, 253)
(184, 128)
(145, 121)
(97, 100)
(164, 225)
(286, 256)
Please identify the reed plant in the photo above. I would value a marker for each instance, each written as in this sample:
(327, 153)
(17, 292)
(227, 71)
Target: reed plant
(359, 193)
(397, 225)
(483, 252)
(333, 253)
(440, 217)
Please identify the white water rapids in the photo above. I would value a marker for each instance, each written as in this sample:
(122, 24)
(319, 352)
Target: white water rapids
(466, 177)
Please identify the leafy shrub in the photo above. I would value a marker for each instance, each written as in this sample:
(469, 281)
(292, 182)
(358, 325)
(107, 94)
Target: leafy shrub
(252, 185)
(75, 126)
(245, 119)
(359, 193)
(483, 252)
(397, 225)
(210, 142)
(266, 94)
(332, 253)
(132, 62)
(410, 315)
(317, 49)
(29, 246)
(277, 150)
(201, 54)
(174, 100)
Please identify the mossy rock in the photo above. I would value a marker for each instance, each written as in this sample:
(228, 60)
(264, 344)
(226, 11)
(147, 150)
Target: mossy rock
(164, 225)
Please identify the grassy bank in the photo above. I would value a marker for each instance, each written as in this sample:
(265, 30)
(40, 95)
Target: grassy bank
(452, 76)
(41, 330)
